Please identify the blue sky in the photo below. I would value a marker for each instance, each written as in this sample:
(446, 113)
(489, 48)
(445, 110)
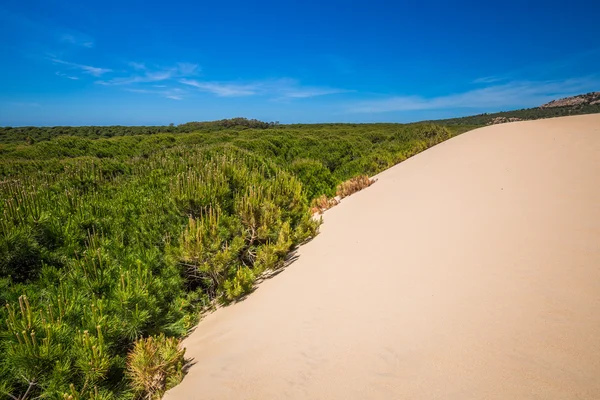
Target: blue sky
(146, 62)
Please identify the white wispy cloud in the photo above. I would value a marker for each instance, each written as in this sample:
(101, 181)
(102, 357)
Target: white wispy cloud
(137, 65)
(488, 79)
(143, 74)
(58, 73)
(187, 68)
(284, 88)
(169, 93)
(223, 89)
(511, 94)
(304, 92)
(548, 69)
(77, 39)
(95, 71)
(46, 31)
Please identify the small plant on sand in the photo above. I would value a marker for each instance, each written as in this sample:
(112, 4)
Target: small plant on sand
(354, 185)
(240, 285)
(154, 365)
(322, 203)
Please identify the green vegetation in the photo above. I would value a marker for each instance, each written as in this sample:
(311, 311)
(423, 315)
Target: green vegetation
(109, 247)
(524, 114)
(31, 134)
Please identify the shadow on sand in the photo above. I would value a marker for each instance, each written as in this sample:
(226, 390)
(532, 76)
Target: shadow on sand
(291, 258)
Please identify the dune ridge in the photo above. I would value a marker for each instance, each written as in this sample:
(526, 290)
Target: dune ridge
(470, 271)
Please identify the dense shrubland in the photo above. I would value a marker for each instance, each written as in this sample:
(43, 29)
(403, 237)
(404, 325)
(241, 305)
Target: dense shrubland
(110, 247)
(524, 114)
(32, 134)
(321, 156)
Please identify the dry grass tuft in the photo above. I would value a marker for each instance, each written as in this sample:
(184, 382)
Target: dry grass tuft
(354, 185)
(344, 189)
(322, 203)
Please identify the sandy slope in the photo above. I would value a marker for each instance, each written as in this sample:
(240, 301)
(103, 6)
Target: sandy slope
(471, 271)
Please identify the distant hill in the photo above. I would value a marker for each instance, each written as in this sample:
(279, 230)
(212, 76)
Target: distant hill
(592, 98)
(588, 103)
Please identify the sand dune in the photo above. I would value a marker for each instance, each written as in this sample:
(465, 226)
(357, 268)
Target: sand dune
(471, 271)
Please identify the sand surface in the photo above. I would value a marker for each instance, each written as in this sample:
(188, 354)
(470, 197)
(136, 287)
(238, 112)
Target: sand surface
(470, 271)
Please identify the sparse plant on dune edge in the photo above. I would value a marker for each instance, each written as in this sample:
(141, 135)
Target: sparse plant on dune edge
(110, 247)
(154, 365)
(240, 284)
(322, 203)
(354, 185)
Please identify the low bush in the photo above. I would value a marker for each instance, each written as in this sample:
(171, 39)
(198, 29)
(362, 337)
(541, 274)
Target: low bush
(154, 365)
(353, 185)
(322, 203)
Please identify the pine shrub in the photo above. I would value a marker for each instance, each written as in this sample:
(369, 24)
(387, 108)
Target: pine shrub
(154, 365)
